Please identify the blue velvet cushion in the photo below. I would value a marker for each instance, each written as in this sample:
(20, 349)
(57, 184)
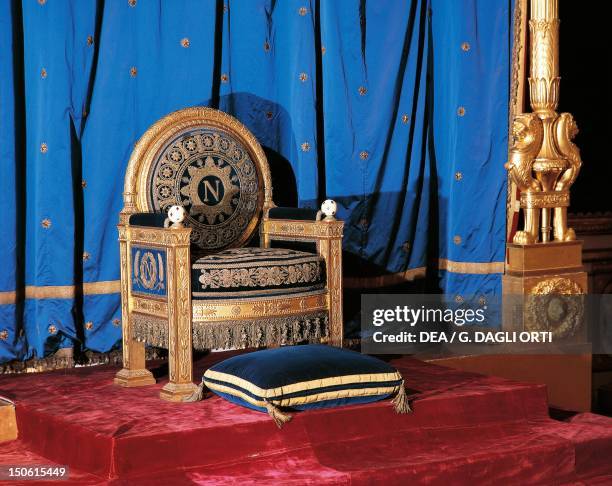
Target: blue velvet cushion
(304, 377)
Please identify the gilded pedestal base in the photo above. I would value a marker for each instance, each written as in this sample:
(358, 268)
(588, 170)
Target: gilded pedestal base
(534, 274)
(133, 378)
(175, 392)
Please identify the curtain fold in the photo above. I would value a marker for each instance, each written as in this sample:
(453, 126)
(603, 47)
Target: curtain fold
(398, 109)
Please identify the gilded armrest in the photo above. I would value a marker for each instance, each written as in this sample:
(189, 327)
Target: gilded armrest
(298, 224)
(300, 230)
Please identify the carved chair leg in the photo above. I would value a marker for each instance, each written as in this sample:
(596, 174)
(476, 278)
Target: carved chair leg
(336, 321)
(180, 352)
(134, 372)
(180, 367)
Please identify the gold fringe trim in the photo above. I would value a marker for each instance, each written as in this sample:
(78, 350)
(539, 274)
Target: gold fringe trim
(150, 330)
(60, 361)
(237, 334)
(61, 291)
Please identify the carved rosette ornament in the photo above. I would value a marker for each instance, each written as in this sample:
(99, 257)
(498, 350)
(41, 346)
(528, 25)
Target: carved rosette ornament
(555, 305)
(543, 161)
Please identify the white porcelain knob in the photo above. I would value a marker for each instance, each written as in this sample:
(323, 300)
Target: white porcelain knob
(177, 214)
(329, 208)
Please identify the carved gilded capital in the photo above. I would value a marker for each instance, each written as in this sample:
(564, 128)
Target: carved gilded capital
(160, 236)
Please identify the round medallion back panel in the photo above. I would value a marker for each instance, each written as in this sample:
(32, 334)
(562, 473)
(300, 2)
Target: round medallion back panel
(211, 174)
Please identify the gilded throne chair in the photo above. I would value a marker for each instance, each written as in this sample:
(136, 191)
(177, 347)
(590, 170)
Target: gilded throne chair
(231, 270)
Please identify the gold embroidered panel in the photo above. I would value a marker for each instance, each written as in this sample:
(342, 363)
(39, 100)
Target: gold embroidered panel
(256, 272)
(149, 271)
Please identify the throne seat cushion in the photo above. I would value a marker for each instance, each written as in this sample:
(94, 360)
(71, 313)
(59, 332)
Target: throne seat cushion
(256, 272)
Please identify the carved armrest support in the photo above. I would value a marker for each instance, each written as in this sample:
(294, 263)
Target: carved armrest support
(327, 234)
(156, 283)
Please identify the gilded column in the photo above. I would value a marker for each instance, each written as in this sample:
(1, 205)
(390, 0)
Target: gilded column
(544, 257)
(544, 73)
(543, 161)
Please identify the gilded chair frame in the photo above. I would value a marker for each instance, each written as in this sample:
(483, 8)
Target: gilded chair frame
(175, 312)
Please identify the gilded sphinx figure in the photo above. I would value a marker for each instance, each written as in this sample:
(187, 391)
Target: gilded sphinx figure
(527, 134)
(566, 129)
(544, 182)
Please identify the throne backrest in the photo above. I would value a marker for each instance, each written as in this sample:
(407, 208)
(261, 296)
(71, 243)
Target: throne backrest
(211, 164)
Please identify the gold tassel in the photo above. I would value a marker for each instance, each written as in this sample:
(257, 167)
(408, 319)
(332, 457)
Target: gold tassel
(197, 395)
(400, 402)
(275, 413)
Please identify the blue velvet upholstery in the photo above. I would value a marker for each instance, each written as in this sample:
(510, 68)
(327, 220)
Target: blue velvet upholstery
(155, 220)
(302, 377)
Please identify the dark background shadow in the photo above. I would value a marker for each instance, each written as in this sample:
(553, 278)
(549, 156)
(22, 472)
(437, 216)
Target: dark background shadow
(585, 93)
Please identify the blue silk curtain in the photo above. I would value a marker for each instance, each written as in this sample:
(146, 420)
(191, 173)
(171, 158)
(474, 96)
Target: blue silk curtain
(397, 109)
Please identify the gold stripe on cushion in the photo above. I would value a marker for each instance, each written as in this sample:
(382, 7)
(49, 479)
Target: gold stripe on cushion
(335, 395)
(236, 393)
(301, 386)
(319, 397)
